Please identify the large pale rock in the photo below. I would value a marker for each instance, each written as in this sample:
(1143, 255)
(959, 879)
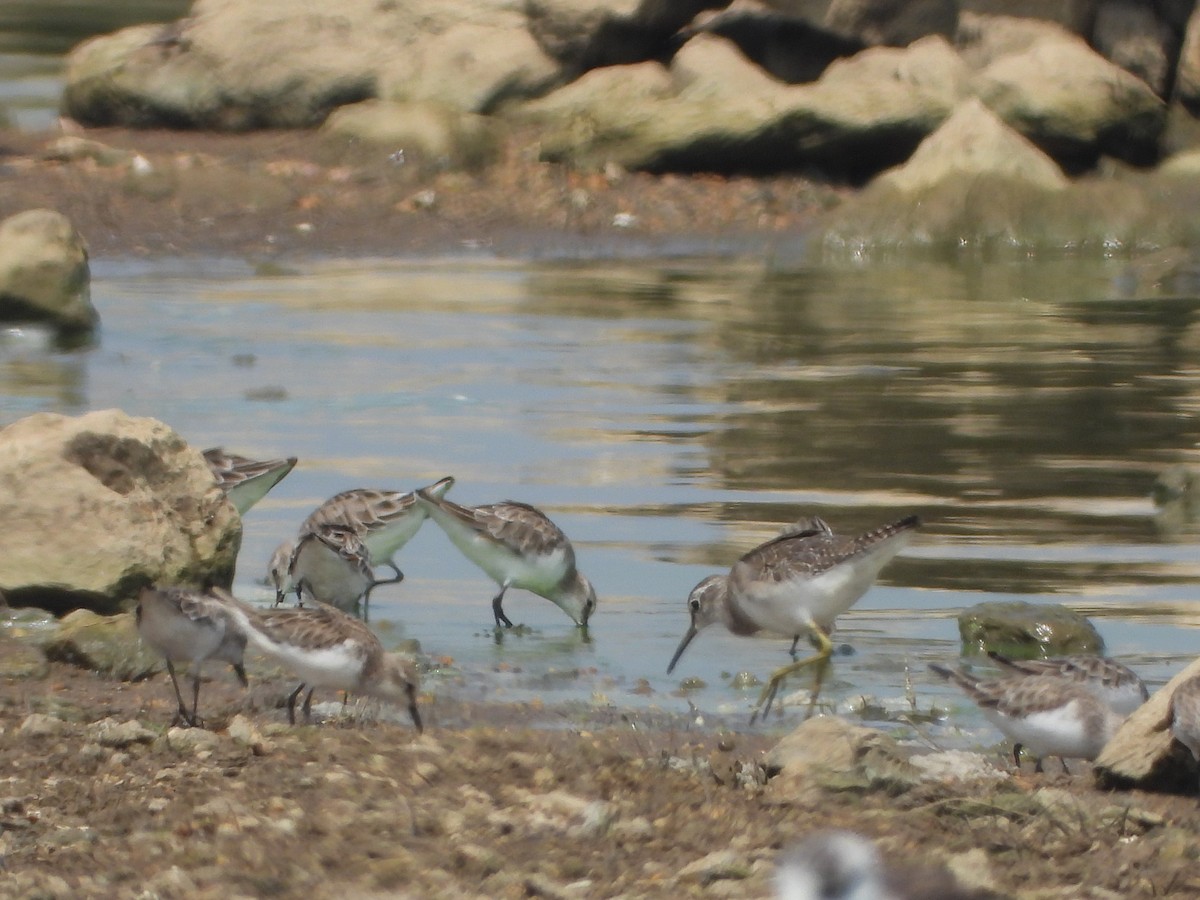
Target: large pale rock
(830, 753)
(271, 63)
(1073, 103)
(1143, 753)
(971, 143)
(424, 131)
(473, 68)
(982, 39)
(95, 507)
(865, 113)
(44, 272)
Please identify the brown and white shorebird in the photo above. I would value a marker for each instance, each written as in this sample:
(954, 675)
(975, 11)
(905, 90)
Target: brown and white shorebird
(325, 647)
(1047, 716)
(384, 520)
(193, 626)
(795, 584)
(245, 481)
(517, 546)
(1185, 715)
(331, 565)
(1114, 683)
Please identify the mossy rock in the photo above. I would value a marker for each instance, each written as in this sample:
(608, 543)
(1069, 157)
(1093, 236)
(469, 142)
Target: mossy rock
(1027, 630)
(106, 644)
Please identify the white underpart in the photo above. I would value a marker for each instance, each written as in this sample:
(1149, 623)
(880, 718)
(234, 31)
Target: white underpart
(331, 578)
(791, 607)
(540, 574)
(339, 666)
(1053, 732)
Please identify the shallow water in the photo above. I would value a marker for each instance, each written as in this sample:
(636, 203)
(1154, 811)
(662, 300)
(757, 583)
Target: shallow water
(669, 415)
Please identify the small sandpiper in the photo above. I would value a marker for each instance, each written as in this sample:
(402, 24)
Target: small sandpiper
(188, 625)
(1185, 715)
(245, 481)
(1047, 716)
(385, 520)
(325, 647)
(1116, 684)
(331, 565)
(518, 546)
(795, 584)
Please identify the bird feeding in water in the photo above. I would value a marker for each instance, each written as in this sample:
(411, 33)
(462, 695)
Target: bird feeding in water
(795, 584)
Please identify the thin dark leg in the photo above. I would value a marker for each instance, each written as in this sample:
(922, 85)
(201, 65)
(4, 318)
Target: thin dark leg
(240, 671)
(292, 703)
(308, 707)
(182, 715)
(1017, 755)
(1064, 762)
(1038, 768)
(795, 641)
(413, 711)
(498, 610)
(195, 695)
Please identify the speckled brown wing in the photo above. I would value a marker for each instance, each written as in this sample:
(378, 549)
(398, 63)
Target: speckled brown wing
(230, 470)
(315, 627)
(1098, 669)
(363, 509)
(522, 528)
(810, 547)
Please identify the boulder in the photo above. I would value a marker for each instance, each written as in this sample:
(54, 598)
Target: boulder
(789, 48)
(210, 70)
(1027, 630)
(720, 112)
(425, 131)
(973, 142)
(1073, 103)
(473, 68)
(829, 753)
(1143, 753)
(1142, 38)
(44, 273)
(97, 506)
(21, 659)
(893, 22)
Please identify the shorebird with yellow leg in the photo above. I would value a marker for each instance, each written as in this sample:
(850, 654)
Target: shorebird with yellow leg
(795, 584)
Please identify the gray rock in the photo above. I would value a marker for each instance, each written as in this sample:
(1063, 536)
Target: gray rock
(107, 503)
(1073, 103)
(1143, 753)
(973, 142)
(472, 68)
(105, 644)
(44, 273)
(424, 131)
(1027, 630)
(832, 754)
(38, 725)
(210, 70)
(718, 865)
(193, 741)
(716, 110)
(119, 735)
(1133, 35)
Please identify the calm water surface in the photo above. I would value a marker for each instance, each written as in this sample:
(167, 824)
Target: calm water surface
(671, 415)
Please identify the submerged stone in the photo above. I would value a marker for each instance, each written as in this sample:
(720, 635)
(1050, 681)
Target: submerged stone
(1027, 630)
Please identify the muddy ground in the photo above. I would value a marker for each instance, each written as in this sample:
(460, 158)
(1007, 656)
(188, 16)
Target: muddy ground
(279, 194)
(98, 798)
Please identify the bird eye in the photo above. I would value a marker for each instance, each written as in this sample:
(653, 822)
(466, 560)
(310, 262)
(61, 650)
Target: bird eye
(695, 605)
